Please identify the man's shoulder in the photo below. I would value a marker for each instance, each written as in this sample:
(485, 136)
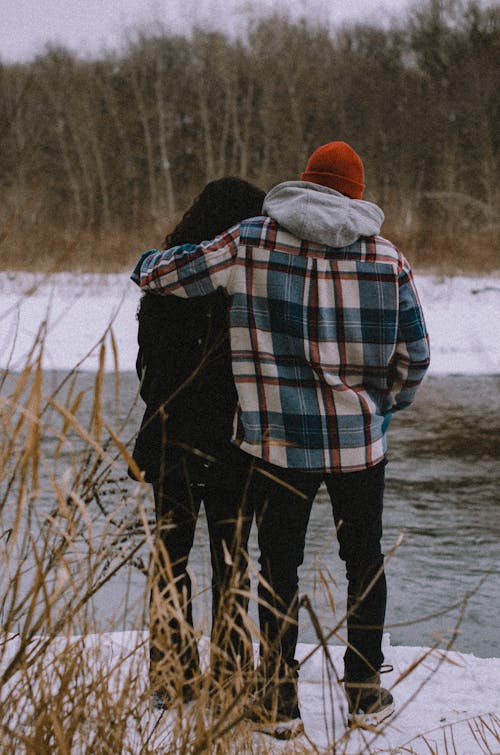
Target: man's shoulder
(380, 249)
(257, 228)
(384, 243)
(266, 233)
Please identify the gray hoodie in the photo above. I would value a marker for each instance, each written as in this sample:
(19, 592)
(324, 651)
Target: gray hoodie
(324, 216)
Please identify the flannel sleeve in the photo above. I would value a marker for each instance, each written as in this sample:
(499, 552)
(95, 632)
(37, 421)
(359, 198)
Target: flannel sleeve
(191, 269)
(412, 355)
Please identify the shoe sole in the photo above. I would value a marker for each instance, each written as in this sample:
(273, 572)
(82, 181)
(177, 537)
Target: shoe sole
(183, 708)
(283, 730)
(368, 720)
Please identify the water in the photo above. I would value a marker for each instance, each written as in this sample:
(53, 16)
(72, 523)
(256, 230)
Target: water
(442, 493)
(443, 479)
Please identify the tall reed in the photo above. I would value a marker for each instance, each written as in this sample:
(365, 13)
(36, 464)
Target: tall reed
(72, 525)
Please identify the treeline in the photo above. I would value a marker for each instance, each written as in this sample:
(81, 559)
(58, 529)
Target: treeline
(124, 142)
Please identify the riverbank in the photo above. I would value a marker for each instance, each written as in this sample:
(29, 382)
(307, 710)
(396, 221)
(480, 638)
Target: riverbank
(461, 314)
(446, 702)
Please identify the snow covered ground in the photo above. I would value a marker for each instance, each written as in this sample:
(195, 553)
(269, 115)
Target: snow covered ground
(463, 318)
(448, 703)
(449, 700)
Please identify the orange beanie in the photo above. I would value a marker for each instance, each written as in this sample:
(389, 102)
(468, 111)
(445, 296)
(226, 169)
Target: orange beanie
(337, 166)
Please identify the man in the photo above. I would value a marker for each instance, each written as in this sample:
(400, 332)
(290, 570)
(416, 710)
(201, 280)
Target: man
(328, 340)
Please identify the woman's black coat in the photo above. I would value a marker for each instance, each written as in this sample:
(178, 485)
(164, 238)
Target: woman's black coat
(184, 364)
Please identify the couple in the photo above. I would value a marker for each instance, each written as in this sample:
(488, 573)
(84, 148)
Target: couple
(326, 341)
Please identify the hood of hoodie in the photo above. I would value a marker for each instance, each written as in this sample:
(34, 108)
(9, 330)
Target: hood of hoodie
(316, 213)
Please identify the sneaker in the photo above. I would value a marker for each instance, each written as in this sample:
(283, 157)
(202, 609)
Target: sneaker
(170, 692)
(158, 701)
(275, 707)
(164, 700)
(286, 729)
(172, 685)
(369, 703)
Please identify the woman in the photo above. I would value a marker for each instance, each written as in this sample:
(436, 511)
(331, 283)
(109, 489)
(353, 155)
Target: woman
(184, 366)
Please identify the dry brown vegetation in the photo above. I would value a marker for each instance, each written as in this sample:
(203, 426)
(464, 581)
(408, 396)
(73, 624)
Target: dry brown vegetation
(99, 157)
(114, 251)
(70, 522)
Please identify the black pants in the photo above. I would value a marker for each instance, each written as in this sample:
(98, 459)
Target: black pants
(177, 503)
(232, 491)
(282, 517)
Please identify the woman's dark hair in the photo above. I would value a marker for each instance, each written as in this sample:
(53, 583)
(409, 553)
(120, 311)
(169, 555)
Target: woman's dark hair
(222, 203)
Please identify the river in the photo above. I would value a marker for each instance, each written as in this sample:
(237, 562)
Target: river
(442, 496)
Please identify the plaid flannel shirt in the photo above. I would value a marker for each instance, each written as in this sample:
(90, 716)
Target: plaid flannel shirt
(325, 341)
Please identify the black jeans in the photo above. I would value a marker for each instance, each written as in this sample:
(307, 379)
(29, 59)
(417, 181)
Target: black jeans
(282, 517)
(232, 491)
(177, 505)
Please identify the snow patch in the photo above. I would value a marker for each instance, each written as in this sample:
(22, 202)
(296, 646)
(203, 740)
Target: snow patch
(78, 312)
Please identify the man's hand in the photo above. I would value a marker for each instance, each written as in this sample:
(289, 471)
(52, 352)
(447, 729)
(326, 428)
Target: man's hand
(136, 272)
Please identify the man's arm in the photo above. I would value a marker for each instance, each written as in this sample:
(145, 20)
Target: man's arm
(412, 355)
(191, 269)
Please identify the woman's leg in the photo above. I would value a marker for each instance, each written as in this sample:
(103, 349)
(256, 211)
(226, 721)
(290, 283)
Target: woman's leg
(173, 646)
(229, 517)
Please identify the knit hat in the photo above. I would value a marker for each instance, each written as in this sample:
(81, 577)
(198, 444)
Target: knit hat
(337, 166)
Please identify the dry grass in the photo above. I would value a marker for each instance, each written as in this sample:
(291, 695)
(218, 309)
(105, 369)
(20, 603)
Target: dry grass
(68, 525)
(51, 250)
(437, 249)
(446, 252)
